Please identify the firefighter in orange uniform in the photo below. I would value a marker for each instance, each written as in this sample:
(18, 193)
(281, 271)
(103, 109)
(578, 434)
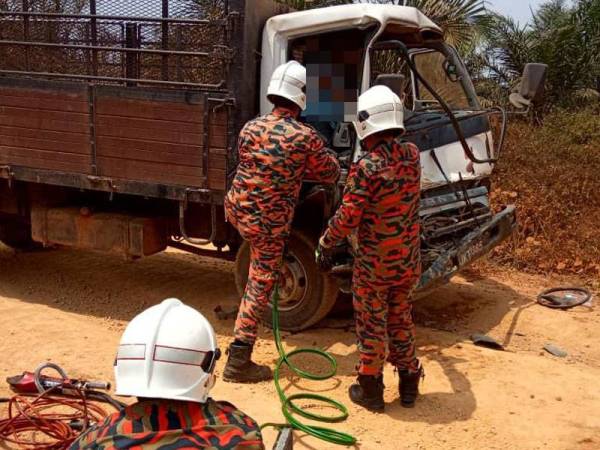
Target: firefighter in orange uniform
(381, 205)
(276, 153)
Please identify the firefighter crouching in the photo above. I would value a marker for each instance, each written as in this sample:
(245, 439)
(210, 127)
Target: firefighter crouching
(166, 359)
(276, 153)
(381, 205)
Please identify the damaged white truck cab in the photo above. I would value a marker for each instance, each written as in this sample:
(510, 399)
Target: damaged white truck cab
(119, 125)
(357, 46)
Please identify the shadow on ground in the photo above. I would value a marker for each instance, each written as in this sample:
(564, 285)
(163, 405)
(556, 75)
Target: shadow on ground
(109, 287)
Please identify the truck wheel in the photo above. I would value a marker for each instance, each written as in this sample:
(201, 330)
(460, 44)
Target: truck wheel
(17, 234)
(306, 294)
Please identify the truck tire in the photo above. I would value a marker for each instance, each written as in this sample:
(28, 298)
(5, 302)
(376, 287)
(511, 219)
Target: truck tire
(17, 235)
(306, 294)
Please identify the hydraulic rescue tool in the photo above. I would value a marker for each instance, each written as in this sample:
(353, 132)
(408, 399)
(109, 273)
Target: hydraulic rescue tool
(49, 413)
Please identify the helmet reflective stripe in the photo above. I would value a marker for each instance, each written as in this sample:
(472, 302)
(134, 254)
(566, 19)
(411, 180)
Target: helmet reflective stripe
(131, 351)
(366, 114)
(379, 110)
(167, 351)
(167, 354)
(173, 355)
(289, 81)
(293, 81)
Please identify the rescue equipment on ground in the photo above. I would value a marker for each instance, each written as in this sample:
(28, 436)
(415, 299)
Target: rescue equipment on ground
(49, 413)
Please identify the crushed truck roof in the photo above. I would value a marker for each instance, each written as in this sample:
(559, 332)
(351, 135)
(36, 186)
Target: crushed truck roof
(358, 15)
(280, 29)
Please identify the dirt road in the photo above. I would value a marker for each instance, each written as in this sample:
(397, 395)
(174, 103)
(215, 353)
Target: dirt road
(70, 308)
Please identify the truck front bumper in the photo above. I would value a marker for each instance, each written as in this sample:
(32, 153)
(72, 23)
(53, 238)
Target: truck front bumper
(473, 246)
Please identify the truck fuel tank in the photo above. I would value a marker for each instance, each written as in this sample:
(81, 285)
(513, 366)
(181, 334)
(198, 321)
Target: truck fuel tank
(131, 236)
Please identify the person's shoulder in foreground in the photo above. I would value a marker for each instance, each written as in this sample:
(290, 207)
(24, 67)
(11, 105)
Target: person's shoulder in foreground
(166, 359)
(165, 424)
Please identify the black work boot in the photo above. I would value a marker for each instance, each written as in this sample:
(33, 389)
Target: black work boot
(241, 369)
(409, 386)
(368, 392)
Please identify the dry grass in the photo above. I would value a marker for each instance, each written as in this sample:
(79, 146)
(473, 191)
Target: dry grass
(552, 174)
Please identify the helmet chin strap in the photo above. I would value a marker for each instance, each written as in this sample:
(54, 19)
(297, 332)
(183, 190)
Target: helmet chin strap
(211, 381)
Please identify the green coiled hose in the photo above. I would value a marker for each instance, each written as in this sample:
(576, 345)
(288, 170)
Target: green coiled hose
(290, 409)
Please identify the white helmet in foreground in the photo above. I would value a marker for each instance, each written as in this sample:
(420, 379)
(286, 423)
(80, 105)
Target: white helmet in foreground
(379, 109)
(289, 81)
(167, 351)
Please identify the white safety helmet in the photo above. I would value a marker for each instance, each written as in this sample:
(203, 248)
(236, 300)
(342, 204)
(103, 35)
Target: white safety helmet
(289, 81)
(167, 351)
(379, 109)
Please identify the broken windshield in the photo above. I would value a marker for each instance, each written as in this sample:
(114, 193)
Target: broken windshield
(442, 69)
(445, 77)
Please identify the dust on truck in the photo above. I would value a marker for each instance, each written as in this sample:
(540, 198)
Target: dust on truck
(119, 121)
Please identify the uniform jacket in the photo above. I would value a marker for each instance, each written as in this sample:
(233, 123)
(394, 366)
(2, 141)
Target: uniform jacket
(170, 425)
(381, 203)
(276, 153)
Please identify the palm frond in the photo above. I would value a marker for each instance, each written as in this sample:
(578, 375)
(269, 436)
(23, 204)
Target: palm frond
(459, 19)
(309, 4)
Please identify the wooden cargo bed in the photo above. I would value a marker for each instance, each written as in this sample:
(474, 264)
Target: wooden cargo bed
(125, 134)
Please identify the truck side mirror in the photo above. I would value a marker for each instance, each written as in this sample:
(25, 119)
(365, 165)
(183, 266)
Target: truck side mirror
(451, 70)
(530, 91)
(395, 81)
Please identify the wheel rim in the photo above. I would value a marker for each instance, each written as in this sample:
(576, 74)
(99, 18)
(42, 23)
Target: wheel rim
(293, 283)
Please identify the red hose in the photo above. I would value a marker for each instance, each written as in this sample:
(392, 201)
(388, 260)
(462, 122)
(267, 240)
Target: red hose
(43, 422)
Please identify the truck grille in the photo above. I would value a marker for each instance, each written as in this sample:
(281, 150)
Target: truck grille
(447, 217)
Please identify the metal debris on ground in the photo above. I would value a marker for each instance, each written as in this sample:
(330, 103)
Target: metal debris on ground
(226, 313)
(285, 439)
(564, 297)
(483, 340)
(554, 350)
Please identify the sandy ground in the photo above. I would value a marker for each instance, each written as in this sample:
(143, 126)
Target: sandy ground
(70, 308)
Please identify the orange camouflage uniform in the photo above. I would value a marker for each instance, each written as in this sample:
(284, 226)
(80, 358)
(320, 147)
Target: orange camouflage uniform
(170, 425)
(381, 202)
(276, 153)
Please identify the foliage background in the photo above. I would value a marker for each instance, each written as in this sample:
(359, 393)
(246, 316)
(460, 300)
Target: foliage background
(564, 35)
(551, 174)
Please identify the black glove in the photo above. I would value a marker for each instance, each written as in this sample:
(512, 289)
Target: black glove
(324, 258)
